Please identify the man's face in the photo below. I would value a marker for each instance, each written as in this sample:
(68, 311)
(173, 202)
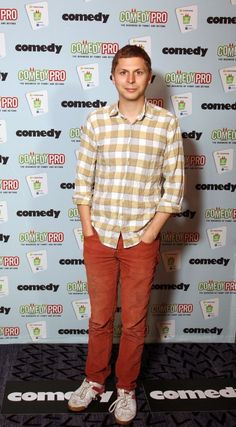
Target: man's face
(131, 78)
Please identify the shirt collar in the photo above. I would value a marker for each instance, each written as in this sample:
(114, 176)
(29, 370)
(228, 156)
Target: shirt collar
(147, 111)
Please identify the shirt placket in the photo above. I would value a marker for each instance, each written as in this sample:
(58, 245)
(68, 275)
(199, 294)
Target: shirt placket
(125, 167)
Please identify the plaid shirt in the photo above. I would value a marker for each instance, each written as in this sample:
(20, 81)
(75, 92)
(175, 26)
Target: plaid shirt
(127, 172)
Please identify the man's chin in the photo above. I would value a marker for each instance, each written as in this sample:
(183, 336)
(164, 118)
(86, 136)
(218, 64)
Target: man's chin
(132, 96)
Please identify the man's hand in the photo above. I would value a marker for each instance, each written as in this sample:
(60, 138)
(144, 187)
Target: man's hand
(88, 233)
(155, 227)
(85, 218)
(149, 236)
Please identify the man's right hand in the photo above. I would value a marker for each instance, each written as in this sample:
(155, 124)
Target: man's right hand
(88, 233)
(85, 218)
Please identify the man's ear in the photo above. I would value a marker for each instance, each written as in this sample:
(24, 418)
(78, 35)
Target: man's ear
(112, 78)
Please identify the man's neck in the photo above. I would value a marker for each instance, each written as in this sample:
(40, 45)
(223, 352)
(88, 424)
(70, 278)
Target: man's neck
(130, 109)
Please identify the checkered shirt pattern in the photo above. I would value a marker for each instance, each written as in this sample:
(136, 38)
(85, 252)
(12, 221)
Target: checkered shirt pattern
(128, 172)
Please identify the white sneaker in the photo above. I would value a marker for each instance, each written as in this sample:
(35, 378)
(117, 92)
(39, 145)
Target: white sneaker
(84, 395)
(124, 407)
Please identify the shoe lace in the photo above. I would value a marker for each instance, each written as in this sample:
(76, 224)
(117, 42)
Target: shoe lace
(82, 391)
(122, 401)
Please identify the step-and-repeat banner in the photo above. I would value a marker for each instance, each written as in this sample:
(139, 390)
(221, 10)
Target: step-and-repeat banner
(55, 59)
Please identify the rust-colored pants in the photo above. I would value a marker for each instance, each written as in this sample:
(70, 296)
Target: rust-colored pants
(136, 268)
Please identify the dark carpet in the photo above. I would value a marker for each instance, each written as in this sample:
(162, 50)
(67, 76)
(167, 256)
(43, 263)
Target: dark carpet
(36, 362)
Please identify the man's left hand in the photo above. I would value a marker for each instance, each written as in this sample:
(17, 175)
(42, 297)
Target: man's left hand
(148, 237)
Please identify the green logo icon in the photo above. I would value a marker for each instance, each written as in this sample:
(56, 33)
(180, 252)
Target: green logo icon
(37, 261)
(186, 19)
(223, 161)
(181, 105)
(37, 103)
(216, 237)
(82, 309)
(229, 79)
(88, 76)
(36, 331)
(37, 185)
(209, 308)
(37, 15)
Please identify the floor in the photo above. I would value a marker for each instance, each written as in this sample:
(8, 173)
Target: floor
(36, 362)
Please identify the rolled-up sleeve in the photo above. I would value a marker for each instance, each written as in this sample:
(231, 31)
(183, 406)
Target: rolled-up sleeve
(85, 167)
(173, 170)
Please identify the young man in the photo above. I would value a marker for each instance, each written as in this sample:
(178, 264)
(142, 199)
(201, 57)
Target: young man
(129, 180)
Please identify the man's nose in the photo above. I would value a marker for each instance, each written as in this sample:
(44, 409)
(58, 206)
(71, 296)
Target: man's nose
(131, 78)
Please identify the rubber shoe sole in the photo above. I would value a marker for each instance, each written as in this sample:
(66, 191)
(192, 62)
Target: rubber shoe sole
(75, 408)
(123, 423)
